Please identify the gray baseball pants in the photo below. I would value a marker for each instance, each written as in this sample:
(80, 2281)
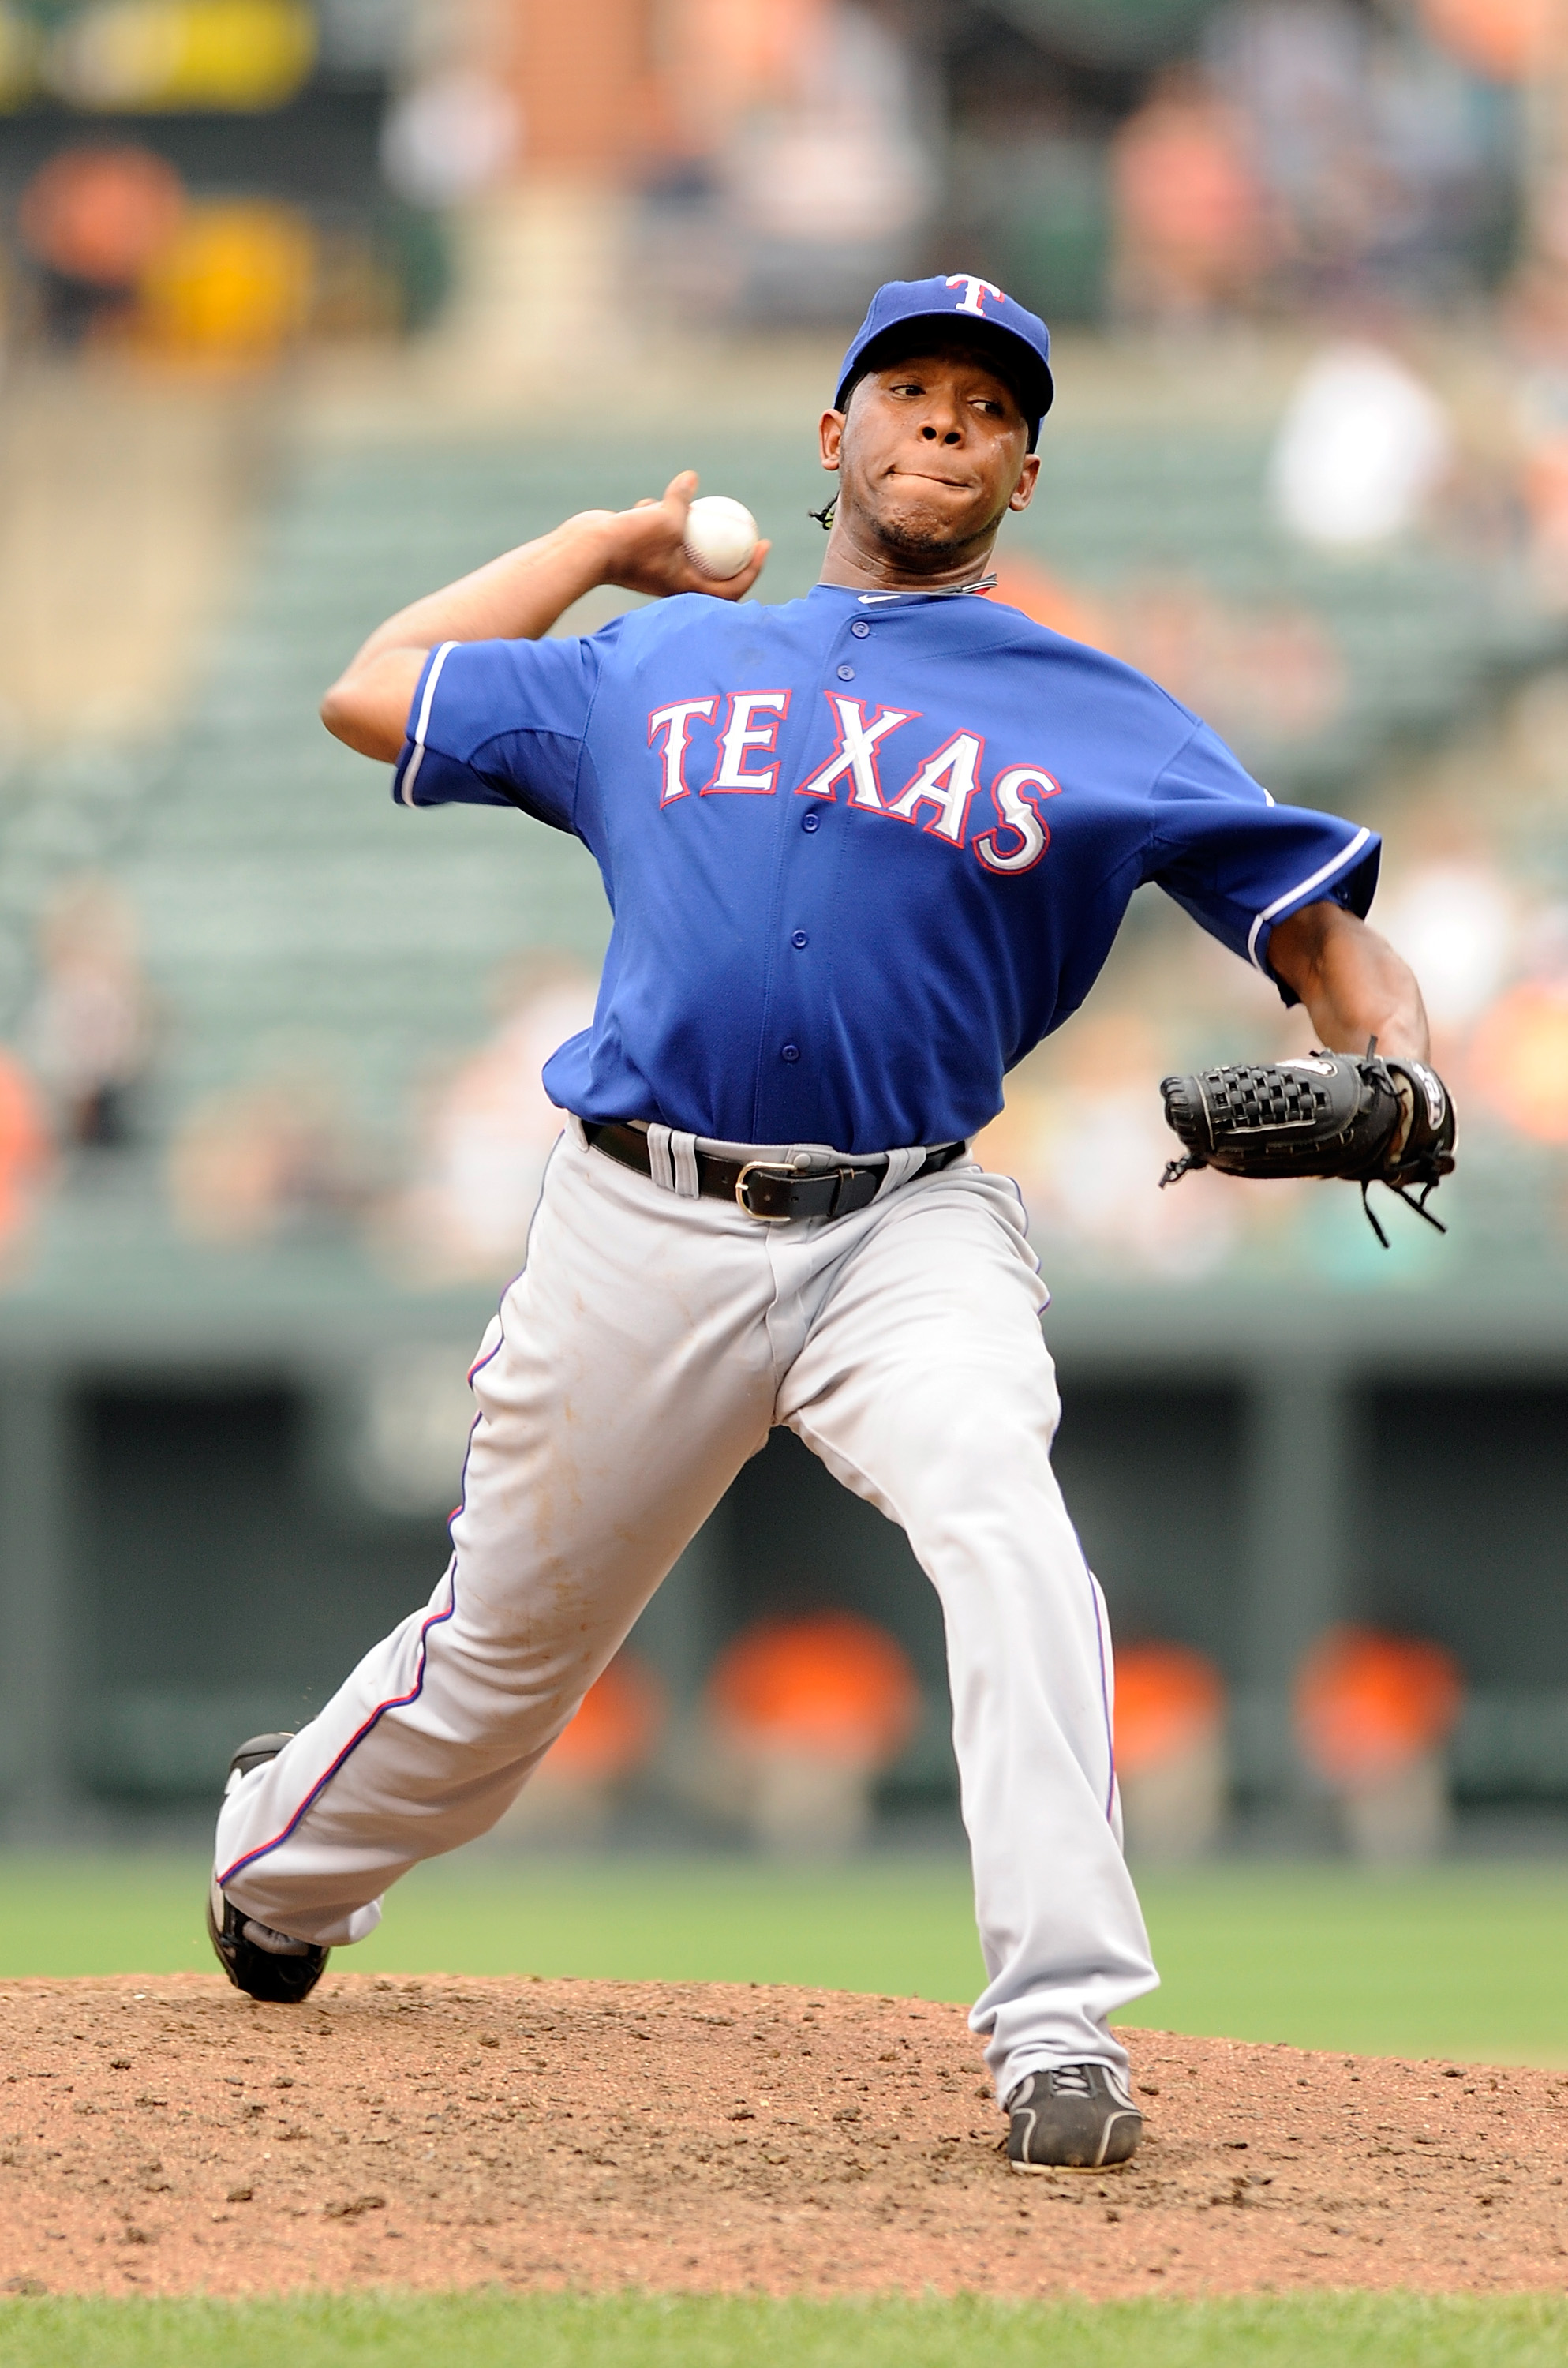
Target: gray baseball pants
(640, 1359)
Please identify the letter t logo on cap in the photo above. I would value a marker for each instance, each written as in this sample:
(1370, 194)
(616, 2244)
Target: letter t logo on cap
(973, 292)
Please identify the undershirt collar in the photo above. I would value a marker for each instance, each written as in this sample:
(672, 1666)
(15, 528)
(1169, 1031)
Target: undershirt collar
(940, 592)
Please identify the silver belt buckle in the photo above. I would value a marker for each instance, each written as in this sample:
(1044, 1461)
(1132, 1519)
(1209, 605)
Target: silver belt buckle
(769, 1168)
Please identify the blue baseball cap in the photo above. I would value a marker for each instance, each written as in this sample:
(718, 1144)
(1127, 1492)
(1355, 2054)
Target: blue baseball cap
(957, 303)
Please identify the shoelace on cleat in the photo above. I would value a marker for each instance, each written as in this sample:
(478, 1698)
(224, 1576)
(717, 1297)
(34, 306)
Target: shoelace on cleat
(277, 1944)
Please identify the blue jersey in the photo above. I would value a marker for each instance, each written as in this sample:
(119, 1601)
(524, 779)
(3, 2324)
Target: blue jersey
(862, 850)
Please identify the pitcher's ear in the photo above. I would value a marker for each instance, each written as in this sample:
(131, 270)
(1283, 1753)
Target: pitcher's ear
(1023, 492)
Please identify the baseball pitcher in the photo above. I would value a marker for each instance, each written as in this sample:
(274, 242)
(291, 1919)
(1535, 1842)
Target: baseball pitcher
(863, 850)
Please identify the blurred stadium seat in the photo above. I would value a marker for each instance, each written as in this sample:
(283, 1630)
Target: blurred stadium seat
(1374, 1714)
(572, 1796)
(1170, 1750)
(806, 1712)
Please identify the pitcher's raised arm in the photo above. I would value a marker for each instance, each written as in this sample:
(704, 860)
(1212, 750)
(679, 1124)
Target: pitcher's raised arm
(518, 597)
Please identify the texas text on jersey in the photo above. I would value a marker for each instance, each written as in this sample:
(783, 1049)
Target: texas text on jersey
(868, 853)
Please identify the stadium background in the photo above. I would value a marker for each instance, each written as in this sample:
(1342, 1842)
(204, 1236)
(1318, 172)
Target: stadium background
(306, 309)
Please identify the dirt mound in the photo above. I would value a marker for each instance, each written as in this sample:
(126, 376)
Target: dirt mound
(168, 2134)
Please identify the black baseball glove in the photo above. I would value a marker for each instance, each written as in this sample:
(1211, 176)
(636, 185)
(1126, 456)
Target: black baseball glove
(1346, 1114)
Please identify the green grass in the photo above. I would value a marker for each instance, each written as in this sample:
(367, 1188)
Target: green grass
(487, 2330)
(886, 1925)
(1462, 1960)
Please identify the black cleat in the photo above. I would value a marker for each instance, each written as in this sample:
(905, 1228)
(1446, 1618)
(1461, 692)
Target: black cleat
(264, 1963)
(1071, 2117)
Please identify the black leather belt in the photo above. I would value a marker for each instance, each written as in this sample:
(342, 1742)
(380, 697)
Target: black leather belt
(766, 1188)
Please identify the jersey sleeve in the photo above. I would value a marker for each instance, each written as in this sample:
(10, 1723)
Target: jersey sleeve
(500, 724)
(1238, 862)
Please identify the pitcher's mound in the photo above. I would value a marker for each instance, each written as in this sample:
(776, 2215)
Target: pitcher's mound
(165, 2135)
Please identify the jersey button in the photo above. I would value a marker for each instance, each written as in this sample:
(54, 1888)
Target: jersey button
(812, 821)
(799, 939)
(860, 629)
(845, 674)
(788, 1052)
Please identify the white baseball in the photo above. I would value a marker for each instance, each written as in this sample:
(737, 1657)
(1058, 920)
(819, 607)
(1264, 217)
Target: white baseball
(721, 535)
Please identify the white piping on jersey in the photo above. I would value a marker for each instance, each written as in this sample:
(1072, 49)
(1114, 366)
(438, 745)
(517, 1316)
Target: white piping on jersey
(411, 771)
(1319, 879)
(939, 592)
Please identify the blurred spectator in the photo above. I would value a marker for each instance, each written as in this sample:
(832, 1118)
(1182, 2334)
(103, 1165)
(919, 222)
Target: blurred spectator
(90, 1028)
(1063, 608)
(806, 1714)
(728, 56)
(1170, 1750)
(1504, 39)
(1386, 166)
(1360, 450)
(1087, 1148)
(797, 164)
(264, 1159)
(1191, 230)
(1373, 1715)
(124, 55)
(1536, 318)
(571, 1795)
(1545, 486)
(233, 287)
(1263, 674)
(1518, 1059)
(1455, 923)
(1267, 674)
(122, 247)
(19, 49)
(451, 137)
(95, 217)
(1297, 70)
(837, 161)
(26, 1153)
(490, 1129)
